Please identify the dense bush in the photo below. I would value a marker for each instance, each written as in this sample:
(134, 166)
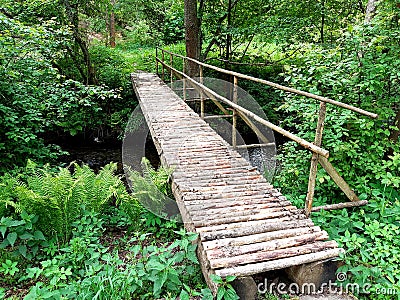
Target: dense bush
(362, 71)
(34, 95)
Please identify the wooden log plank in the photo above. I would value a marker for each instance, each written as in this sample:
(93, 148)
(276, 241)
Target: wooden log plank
(255, 268)
(188, 196)
(216, 184)
(239, 205)
(234, 201)
(260, 237)
(261, 256)
(275, 215)
(246, 214)
(214, 177)
(267, 246)
(214, 174)
(339, 205)
(208, 233)
(226, 189)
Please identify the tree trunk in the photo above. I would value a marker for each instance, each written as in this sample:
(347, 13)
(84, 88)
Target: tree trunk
(112, 25)
(369, 15)
(370, 11)
(73, 17)
(192, 36)
(200, 19)
(214, 41)
(228, 36)
(322, 21)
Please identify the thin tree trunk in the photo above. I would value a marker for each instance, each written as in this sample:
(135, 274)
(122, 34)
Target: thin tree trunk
(218, 32)
(112, 25)
(73, 16)
(192, 31)
(322, 21)
(369, 15)
(228, 35)
(91, 74)
(370, 11)
(200, 20)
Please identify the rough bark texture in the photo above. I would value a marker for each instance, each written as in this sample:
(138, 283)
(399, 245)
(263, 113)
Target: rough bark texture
(370, 11)
(192, 36)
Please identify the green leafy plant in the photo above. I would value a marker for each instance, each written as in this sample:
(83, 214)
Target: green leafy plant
(9, 267)
(57, 197)
(370, 237)
(21, 236)
(225, 289)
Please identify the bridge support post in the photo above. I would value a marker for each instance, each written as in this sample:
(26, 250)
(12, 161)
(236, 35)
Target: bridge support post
(314, 276)
(184, 79)
(157, 61)
(171, 61)
(234, 117)
(201, 93)
(163, 68)
(245, 288)
(314, 159)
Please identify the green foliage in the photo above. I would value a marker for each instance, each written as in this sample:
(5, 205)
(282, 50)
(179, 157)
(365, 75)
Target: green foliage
(174, 30)
(84, 268)
(20, 236)
(158, 213)
(57, 197)
(370, 236)
(225, 289)
(361, 68)
(35, 97)
(9, 267)
(337, 73)
(153, 190)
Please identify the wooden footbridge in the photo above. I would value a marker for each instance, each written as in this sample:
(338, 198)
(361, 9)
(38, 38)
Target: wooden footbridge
(245, 226)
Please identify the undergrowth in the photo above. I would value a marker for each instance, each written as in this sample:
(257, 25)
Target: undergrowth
(74, 234)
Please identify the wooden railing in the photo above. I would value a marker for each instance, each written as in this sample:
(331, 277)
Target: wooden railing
(319, 155)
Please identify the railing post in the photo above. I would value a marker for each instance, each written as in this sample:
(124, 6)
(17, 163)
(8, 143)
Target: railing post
(157, 61)
(184, 80)
(234, 113)
(201, 93)
(171, 61)
(314, 158)
(163, 68)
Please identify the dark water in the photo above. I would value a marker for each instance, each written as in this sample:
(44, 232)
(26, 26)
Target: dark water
(98, 154)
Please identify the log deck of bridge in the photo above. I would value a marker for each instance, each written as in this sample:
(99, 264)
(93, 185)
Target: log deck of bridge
(245, 226)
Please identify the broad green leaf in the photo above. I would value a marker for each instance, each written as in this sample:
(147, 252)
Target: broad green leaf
(39, 235)
(184, 295)
(11, 238)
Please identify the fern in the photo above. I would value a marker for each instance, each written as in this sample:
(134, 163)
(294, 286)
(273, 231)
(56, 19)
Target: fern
(153, 190)
(7, 204)
(58, 197)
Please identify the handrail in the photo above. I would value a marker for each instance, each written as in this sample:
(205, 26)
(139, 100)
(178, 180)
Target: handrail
(300, 141)
(278, 86)
(319, 155)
